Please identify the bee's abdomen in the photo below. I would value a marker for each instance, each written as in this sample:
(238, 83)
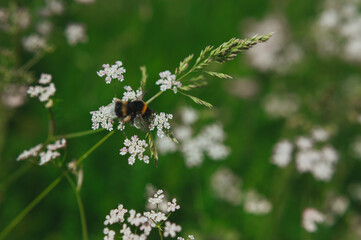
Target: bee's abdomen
(121, 108)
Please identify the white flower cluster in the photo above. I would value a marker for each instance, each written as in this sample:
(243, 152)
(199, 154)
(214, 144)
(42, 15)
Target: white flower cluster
(312, 155)
(45, 156)
(75, 33)
(277, 106)
(34, 43)
(228, 187)
(43, 92)
(44, 27)
(52, 7)
(168, 81)
(336, 206)
(14, 18)
(243, 88)
(115, 71)
(278, 53)
(337, 30)
(136, 148)
(310, 218)
(190, 237)
(208, 141)
(104, 117)
(143, 223)
(256, 204)
(160, 121)
(131, 95)
(13, 95)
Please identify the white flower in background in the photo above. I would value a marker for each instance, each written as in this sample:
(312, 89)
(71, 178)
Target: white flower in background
(166, 145)
(13, 95)
(131, 95)
(188, 115)
(168, 81)
(75, 33)
(115, 72)
(162, 204)
(43, 92)
(320, 135)
(160, 121)
(319, 160)
(143, 222)
(4, 15)
(21, 18)
(256, 204)
(356, 147)
(34, 43)
(282, 153)
(278, 53)
(227, 186)
(355, 191)
(243, 88)
(310, 218)
(85, 1)
(280, 105)
(51, 152)
(136, 148)
(190, 237)
(32, 152)
(52, 7)
(337, 32)
(44, 27)
(171, 229)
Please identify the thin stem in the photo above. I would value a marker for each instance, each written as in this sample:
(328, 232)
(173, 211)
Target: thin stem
(77, 134)
(160, 233)
(154, 97)
(85, 155)
(80, 205)
(51, 123)
(32, 61)
(26, 210)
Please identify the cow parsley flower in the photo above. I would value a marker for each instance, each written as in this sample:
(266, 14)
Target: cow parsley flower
(115, 71)
(115, 215)
(51, 152)
(75, 33)
(13, 95)
(157, 198)
(109, 234)
(256, 204)
(282, 153)
(130, 94)
(32, 152)
(104, 117)
(160, 121)
(43, 92)
(172, 206)
(136, 148)
(34, 43)
(168, 81)
(171, 229)
(310, 218)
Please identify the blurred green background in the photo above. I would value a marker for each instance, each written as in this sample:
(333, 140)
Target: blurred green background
(158, 34)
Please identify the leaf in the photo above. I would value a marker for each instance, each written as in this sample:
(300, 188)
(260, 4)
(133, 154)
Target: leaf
(183, 65)
(219, 75)
(153, 149)
(143, 80)
(198, 101)
(170, 135)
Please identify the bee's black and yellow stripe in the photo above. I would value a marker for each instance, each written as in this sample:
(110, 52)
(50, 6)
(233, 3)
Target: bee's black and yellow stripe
(132, 108)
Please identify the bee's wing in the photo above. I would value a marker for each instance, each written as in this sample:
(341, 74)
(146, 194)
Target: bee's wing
(140, 123)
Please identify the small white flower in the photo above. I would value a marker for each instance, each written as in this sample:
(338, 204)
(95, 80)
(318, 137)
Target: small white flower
(44, 28)
(57, 145)
(320, 134)
(157, 198)
(48, 156)
(189, 115)
(256, 204)
(160, 121)
(130, 94)
(45, 78)
(115, 71)
(171, 229)
(13, 95)
(168, 81)
(104, 117)
(115, 215)
(136, 148)
(172, 206)
(34, 43)
(110, 234)
(75, 33)
(43, 92)
(310, 217)
(304, 143)
(32, 152)
(282, 153)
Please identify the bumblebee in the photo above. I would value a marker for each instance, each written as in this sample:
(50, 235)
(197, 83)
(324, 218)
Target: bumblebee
(135, 112)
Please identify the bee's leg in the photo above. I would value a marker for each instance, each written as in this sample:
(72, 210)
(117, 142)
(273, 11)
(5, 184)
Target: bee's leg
(126, 119)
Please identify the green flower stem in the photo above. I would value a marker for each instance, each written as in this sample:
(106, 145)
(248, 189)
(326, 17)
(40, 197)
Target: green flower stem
(80, 205)
(32, 61)
(160, 233)
(51, 123)
(154, 97)
(85, 155)
(77, 134)
(26, 210)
